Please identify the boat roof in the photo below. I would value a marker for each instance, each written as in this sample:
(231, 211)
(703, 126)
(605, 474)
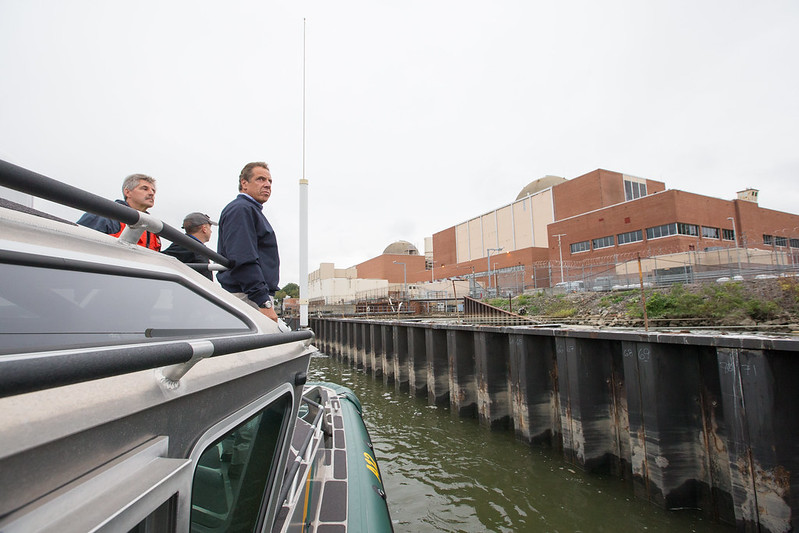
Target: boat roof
(79, 406)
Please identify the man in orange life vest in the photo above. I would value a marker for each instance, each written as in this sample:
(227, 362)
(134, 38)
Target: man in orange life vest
(139, 193)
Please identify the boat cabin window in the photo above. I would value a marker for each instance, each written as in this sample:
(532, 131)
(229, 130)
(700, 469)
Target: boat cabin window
(159, 521)
(45, 308)
(232, 474)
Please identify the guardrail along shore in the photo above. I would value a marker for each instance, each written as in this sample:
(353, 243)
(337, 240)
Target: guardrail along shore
(696, 421)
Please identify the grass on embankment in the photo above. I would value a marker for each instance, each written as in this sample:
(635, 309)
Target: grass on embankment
(729, 303)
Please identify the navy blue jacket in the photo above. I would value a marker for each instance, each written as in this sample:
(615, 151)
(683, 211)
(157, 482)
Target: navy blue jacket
(247, 239)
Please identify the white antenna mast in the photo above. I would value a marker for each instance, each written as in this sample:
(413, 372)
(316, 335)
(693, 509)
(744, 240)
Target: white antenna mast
(303, 209)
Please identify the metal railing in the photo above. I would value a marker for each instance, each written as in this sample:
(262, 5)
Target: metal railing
(29, 182)
(28, 374)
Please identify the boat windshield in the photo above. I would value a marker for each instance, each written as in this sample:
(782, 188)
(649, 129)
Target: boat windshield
(44, 308)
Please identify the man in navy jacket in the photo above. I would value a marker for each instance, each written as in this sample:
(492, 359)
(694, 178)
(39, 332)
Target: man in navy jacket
(247, 239)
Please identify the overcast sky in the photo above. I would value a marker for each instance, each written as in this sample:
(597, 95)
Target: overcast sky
(420, 114)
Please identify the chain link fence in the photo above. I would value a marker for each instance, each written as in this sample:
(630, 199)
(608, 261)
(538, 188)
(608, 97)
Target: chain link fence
(617, 272)
(628, 271)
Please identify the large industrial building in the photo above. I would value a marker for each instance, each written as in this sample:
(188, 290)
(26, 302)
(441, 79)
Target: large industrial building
(331, 285)
(607, 218)
(595, 225)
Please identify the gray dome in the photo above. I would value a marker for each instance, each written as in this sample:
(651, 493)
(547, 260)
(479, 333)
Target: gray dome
(539, 185)
(401, 248)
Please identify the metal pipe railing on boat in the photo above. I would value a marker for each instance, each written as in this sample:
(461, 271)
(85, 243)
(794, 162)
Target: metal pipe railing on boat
(24, 373)
(29, 182)
(206, 267)
(311, 402)
(289, 480)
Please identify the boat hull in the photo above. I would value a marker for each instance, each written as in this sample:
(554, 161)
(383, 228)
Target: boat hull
(343, 486)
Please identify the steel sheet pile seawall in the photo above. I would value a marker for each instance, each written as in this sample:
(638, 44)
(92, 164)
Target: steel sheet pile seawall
(688, 420)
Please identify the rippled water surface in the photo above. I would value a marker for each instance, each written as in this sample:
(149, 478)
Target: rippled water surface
(444, 473)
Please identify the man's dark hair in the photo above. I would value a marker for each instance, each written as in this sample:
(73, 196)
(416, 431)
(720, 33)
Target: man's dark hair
(191, 230)
(246, 172)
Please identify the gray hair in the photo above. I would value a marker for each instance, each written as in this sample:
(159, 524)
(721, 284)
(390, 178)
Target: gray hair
(246, 172)
(132, 181)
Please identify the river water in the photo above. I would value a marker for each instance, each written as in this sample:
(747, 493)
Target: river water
(444, 473)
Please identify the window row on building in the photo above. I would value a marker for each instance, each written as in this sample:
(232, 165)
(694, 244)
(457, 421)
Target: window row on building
(656, 232)
(776, 240)
(634, 189)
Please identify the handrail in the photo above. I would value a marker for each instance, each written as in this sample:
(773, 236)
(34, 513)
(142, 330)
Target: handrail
(29, 182)
(291, 474)
(20, 374)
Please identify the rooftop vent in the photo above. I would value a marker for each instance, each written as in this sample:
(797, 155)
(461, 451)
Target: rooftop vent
(748, 195)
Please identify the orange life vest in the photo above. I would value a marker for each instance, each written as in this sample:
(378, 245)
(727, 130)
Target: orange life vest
(148, 240)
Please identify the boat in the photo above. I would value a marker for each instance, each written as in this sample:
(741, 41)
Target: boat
(137, 395)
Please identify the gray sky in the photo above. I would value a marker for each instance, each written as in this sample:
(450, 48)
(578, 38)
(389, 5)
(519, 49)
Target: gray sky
(420, 114)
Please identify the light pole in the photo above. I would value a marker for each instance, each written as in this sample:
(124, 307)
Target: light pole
(303, 209)
(488, 254)
(560, 254)
(735, 236)
(790, 246)
(455, 294)
(472, 284)
(404, 277)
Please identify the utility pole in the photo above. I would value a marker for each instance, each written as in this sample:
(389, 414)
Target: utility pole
(560, 254)
(488, 254)
(643, 293)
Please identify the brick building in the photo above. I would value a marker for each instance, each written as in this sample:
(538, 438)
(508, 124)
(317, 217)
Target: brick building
(609, 217)
(592, 226)
(399, 265)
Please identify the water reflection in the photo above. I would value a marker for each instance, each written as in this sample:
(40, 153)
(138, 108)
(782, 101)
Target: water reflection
(444, 473)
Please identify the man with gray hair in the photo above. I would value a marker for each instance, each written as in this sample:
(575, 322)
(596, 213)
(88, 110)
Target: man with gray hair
(198, 227)
(138, 191)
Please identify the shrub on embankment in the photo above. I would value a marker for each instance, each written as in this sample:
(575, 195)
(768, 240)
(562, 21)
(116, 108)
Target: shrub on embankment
(727, 303)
